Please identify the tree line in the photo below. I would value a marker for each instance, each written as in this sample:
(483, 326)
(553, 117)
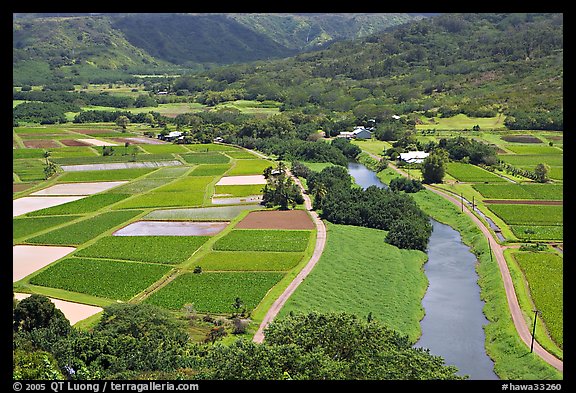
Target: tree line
(140, 341)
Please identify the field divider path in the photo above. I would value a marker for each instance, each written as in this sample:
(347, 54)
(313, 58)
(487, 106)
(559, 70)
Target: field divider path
(516, 313)
(318, 249)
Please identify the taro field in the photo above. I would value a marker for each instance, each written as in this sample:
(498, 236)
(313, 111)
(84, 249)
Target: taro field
(148, 181)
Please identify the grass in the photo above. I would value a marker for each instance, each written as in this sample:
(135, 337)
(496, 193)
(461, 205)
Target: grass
(239, 190)
(102, 278)
(210, 170)
(186, 191)
(360, 273)
(544, 275)
(471, 173)
(223, 213)
(85, 205)
(249, 261)
(215, 292)
(249, 167)
(85, 230)
(529, 214)
(104, 175)
(511, 356)
(521, 191)
(157, 249)
(264, 240)
(205, 158)
(461, 122)
(24, 227)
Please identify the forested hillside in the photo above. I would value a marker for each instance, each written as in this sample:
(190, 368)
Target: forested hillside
(480, 65)
(155, 42)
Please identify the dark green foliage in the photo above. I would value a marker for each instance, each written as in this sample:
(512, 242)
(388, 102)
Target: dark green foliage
(373, 207)
(280, 189)
(348, 149)
(322, 347)
(475, 152)
(405, 184)
(38, 312)
(36, 365)
(434, 167)
(133, 340)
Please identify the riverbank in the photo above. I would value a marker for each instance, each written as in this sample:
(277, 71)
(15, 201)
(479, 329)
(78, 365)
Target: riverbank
(511, 357)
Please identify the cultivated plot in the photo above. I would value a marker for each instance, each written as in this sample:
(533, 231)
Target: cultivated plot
(289, 219)
(74, 312)
(28, 259)
(25, 205)
(171, 228)
(79, 188)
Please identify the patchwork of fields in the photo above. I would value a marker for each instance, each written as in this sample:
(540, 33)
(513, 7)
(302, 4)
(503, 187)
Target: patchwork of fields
(162, 232)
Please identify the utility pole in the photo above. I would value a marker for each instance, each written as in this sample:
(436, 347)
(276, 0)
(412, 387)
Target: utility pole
(462, 200)
(536, 312)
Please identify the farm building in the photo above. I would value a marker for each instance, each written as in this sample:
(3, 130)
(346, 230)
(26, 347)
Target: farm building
(414, 157)
(358, 133)
(172, 135)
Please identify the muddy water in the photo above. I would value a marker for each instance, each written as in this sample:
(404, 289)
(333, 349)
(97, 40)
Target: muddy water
(171, 228)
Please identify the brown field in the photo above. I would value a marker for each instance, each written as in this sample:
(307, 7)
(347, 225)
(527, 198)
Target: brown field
(40, 143)
(74, 142)
(278, 219)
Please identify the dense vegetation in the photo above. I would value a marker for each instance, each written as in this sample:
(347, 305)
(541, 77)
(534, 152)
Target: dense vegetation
(381, 208)
(132, 341)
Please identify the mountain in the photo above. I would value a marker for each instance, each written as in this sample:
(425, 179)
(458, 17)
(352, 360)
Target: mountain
(138, 40)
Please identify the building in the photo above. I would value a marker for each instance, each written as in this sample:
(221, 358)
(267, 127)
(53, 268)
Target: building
(172, 135)
(414, 157)
(358, 133)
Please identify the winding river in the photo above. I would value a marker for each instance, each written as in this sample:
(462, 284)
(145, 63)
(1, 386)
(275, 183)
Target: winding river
(452, 326)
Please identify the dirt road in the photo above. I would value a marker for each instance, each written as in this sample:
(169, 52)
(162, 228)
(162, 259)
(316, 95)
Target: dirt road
(318, 249)
(515, 311)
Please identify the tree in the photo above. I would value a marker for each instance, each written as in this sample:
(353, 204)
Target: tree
(280, 189)
(541, 172)
(38, 312)
(122, 121)
(434, 166)
(36, 365)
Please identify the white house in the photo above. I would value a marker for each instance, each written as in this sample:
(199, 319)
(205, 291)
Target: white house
(414, 157)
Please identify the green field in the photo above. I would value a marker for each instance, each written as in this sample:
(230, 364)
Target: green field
(84, 230)
(471, 173)
(215, 292)
(102, 278)
(239, 190)
(264, 240)
(249, 261)
(521, 191)
(103, 175)
(23, 226)
(89, 204)
(360, 273)
(461, 122)
(514, 214)
(544, 274)
(223, 213)
(249, 167)
(157, 249)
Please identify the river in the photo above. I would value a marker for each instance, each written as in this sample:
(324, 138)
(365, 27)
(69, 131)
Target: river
(452, 326)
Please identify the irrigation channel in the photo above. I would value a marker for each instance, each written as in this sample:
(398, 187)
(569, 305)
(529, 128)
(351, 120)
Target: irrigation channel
(452, 326)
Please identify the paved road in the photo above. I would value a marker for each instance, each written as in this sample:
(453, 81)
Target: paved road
(497, 249)
(318, 249)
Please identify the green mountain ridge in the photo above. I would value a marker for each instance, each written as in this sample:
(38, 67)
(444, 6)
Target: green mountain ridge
(114, 41)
